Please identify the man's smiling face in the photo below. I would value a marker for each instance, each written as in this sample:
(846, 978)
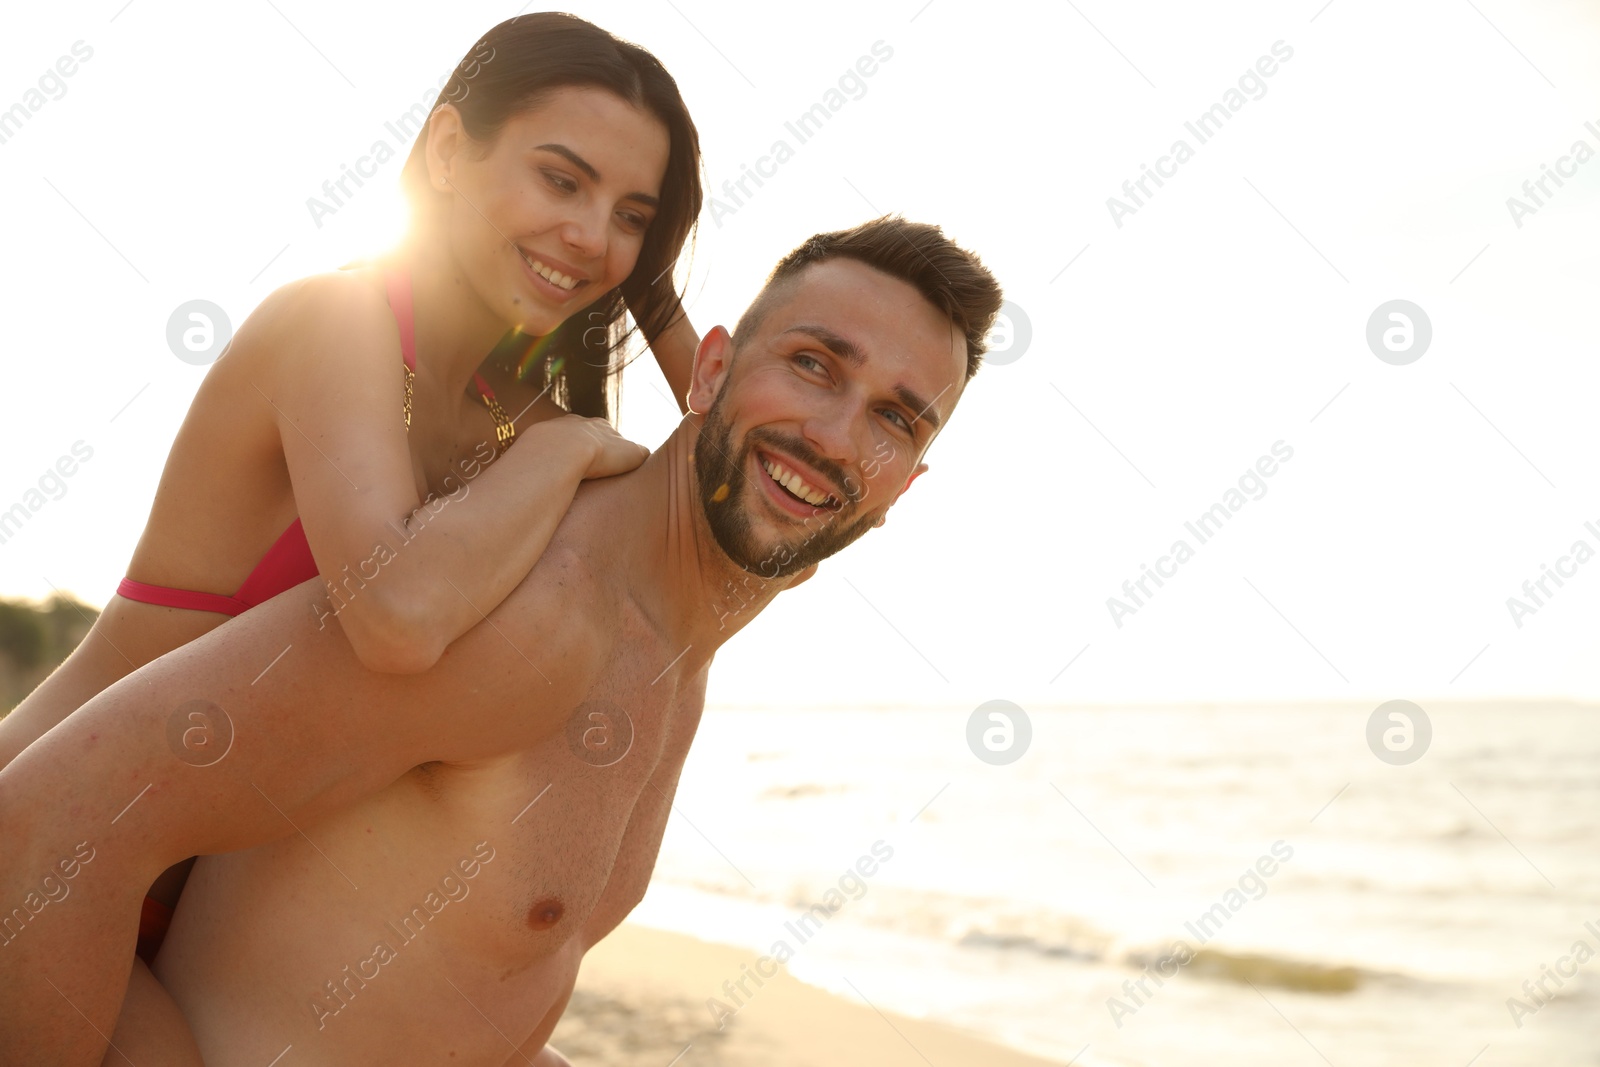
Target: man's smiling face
(818, 422)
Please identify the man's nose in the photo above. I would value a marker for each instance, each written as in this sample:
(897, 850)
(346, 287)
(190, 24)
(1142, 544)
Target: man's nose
(832, 432)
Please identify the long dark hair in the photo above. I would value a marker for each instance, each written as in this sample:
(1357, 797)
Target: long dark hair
(511, 68)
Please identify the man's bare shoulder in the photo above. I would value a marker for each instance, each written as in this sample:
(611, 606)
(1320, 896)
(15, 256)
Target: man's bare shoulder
(543, 647)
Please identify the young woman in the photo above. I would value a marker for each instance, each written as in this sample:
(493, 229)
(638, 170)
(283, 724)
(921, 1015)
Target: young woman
(354, 430)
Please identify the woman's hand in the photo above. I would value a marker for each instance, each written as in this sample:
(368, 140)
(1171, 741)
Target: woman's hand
(613, 453)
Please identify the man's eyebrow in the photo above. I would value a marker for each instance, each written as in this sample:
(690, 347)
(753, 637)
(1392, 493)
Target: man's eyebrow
(924, 409)
(842, 347)
(588, 168)
(847, 350)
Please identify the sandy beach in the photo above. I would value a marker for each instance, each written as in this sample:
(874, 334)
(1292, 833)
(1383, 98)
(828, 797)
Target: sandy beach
(641, 1000)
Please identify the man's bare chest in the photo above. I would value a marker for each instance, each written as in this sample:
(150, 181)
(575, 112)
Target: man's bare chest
(573, 822)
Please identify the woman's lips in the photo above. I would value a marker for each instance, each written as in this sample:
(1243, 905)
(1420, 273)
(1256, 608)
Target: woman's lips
(546, 286)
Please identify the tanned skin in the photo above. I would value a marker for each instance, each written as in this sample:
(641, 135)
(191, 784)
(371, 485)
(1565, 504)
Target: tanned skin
(347, 795)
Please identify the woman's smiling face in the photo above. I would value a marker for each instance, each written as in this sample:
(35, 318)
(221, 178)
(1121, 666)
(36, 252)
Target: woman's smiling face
(552, 214)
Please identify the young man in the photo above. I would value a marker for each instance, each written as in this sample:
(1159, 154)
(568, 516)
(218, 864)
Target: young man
(410, 869)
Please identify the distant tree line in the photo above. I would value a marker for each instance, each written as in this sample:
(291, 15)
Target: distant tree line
(34, 639)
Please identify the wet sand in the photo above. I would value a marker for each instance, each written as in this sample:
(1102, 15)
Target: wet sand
(641, 998)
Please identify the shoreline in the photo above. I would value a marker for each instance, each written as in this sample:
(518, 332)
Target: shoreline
(640, 1001)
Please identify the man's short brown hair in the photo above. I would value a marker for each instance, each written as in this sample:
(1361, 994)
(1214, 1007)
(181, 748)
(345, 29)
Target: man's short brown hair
(952, 279)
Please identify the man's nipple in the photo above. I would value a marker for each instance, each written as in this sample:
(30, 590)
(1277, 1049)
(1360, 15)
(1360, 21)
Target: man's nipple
(545, 913)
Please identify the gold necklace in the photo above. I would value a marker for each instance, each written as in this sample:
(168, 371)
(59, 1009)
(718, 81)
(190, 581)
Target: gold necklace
(505, 430)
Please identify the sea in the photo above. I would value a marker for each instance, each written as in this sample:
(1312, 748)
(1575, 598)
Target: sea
(1162, 886)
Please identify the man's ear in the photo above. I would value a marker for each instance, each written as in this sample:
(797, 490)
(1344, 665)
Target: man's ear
(922, 468)
(711, 362)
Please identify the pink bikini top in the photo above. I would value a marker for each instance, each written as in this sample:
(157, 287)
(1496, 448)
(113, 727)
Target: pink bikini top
(289, 562)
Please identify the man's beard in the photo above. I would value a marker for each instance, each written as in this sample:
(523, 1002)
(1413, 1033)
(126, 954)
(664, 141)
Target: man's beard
(722, 478)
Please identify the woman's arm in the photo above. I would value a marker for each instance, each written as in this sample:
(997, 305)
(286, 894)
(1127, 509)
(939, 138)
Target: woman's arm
(100, 805)
(407, 576)
(674, 349)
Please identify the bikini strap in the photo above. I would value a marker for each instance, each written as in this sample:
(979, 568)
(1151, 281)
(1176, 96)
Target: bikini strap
(397, 280)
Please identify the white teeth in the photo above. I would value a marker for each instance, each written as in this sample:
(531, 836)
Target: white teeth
(795, 484)
(554, 277)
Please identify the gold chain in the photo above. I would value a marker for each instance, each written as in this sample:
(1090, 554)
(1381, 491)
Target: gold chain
(505, 431)
(411, 379)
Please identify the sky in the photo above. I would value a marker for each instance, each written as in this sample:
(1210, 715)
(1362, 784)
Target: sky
(1158, 345)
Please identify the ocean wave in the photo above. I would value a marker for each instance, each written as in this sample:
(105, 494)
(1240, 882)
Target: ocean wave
(1038, 946)
(1255, 969)
(988, 923)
